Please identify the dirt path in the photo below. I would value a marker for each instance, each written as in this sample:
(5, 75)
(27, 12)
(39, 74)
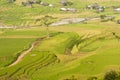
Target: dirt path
(25, 52)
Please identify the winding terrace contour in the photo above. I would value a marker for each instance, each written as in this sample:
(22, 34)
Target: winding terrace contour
(25, 52)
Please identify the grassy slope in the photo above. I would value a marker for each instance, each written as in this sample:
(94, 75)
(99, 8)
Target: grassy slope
(59, 43)
(10, 47)
(12, 42)
(107, 50)
(44, 56)
(105, 55)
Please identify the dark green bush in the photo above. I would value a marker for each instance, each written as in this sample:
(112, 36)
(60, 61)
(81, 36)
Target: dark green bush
(112, 75)
(92, 78)
(38, 1)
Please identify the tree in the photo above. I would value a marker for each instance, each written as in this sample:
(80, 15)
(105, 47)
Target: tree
(28, 3)
(38, 1)
(112, 75)
(116, 36)
(45, 21)
(92, 78)
(102, 16)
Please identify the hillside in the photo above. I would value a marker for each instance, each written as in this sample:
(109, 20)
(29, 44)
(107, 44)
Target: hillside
(59, 39)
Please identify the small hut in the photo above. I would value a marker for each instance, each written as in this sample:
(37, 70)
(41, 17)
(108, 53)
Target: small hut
(68, 9)
(96, 7)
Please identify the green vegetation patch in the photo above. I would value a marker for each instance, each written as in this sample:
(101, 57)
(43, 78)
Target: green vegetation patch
(11, 47)
(41, 56)
(59, 43)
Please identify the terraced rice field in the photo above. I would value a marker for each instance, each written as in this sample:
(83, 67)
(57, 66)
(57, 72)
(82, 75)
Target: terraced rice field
(72, 52)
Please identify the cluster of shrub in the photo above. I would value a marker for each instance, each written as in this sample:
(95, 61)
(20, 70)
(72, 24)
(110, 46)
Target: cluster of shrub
(105, 18)
(111, 75)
